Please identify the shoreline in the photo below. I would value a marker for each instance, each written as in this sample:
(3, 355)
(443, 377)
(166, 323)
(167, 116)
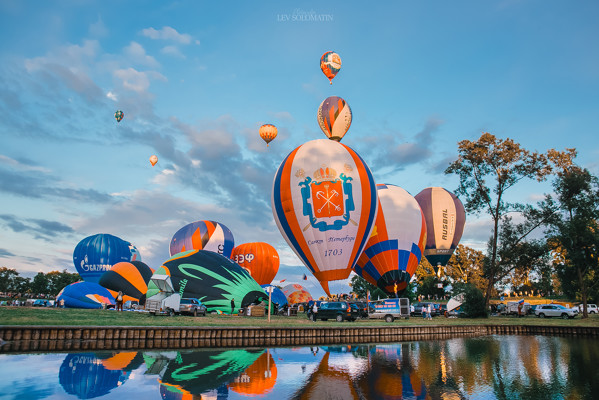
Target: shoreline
(22, 338)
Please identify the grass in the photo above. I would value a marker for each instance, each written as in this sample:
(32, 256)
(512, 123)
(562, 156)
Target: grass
(80, 317)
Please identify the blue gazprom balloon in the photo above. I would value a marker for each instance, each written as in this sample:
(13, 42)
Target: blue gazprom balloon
(96, 254)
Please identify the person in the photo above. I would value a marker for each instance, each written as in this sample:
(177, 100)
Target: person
(119, 301)
(314, 311)
(232, 306)
(424, 311)
(519, 310)
(429, 311)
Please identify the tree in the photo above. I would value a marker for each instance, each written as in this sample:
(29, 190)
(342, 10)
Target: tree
(40, 283)
(487, 169)
(473, 302)
(7, 277)
(466, 266)
(58, 280)
(574, 231)
(429, 288)
(361, 286)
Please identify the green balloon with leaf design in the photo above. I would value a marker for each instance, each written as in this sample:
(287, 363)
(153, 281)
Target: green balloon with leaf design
(212, 278)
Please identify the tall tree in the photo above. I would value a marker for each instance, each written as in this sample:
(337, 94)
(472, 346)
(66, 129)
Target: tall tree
(7, 277)
(488, 168)
(574, 232)
(466, 266)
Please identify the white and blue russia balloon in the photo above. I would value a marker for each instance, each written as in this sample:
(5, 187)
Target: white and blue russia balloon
(324, 202)
(96, 254)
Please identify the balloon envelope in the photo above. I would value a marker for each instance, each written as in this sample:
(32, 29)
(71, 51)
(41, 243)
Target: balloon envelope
(129, 277)
(396, 243)
(203, 235)
(296, 294)
(445, 218)
(83, 375)
(277, 296)
(260, 259)
(330, 64)
(119, 115)
(96, 254)
(212, 278)
(324, 203)
(153, 160)
(268, 132)
(84, 295)
(334, 117)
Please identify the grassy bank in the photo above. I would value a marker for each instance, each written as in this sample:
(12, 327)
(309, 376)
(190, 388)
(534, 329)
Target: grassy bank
(79, 317)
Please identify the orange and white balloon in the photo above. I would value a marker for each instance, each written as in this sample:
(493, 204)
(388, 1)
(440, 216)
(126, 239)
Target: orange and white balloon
(268, 132)
(153, 160)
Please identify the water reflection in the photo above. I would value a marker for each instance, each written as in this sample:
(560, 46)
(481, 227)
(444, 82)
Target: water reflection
(491, 367)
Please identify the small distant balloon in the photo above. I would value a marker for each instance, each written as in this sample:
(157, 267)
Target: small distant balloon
(268, 132)
(330, 64)
(153, 160)
(334, 117)
(119, 115)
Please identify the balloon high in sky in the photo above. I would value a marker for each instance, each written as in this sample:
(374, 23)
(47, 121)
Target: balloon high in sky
(119, 115)
(330, 64)
(268, 133)
(324, 203)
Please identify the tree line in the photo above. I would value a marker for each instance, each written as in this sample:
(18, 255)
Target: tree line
(47, 284)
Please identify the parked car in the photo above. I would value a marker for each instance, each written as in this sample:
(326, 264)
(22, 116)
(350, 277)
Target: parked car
(390, 309)
(555, 310)
(338, 310)
(192, 306)
(40, 303)
(591, 308)
(418, 309)
(358, 310)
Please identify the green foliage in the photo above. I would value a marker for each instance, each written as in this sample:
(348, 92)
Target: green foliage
(474, 304)
(429, 288)
(51, 283)
(361, 286)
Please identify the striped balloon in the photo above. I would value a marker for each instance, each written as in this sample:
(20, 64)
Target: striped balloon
(445, 218)
(203, 235)
(131, 278)
(334, 117)
(396, 243)
(324, 203)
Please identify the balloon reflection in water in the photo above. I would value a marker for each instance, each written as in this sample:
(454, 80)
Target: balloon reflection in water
(328, 382)
(85, 376)
(258, 379)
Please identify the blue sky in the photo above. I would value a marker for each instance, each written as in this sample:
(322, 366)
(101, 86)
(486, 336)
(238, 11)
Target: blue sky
(196, 79)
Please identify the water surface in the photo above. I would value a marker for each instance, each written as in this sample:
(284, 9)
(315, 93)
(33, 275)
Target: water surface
(488, 367)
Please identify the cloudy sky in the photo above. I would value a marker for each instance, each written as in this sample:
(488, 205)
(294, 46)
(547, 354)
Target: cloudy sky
(196, 79)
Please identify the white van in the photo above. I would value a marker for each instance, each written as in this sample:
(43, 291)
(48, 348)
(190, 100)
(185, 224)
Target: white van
(591, 308)
(389, 309)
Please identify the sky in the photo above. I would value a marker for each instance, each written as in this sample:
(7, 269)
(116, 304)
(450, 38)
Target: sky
(196, 80)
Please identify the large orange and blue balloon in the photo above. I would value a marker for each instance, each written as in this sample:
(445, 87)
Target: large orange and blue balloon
(259, 258)
(203, 235)
(445, 218)
(324, 203)
(334, 117)
(330, 64)
(268, 132)
(85, 295)
(396, 243)
(131, 278)
(96, 254)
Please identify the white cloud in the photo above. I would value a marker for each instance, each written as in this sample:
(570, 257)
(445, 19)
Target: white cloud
(98, 29)
(137, 81)
(172, 51)
(167, 33)
(112, 96)
(138, 54)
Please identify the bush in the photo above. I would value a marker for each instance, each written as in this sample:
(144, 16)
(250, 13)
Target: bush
(474, 302)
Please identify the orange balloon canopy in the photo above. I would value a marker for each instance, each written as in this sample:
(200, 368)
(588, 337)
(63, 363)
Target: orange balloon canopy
(259, 378)
(259, 258)
(268, 132)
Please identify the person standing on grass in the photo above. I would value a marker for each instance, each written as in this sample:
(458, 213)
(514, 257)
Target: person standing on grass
(232, 306)
(119, 301)
(429, 312)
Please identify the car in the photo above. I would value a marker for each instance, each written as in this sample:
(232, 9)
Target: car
(192, 306)
(591, 308)
(358, 310)
(418, 309)
(40, 303)
(555, 310)
(338, 310)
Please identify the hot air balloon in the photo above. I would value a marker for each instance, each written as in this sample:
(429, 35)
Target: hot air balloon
(85, 295)
(396, 243)
(277, 296)
(203, 235)
(96, 254)
(119, 115)
(330, 64)
(445, 218)
(268, 132)
(131, 278)
(212, 278)
(334, 117)
(83, 375)
(324, 203)
(153, 159)
(296, 294)
(260, 259)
